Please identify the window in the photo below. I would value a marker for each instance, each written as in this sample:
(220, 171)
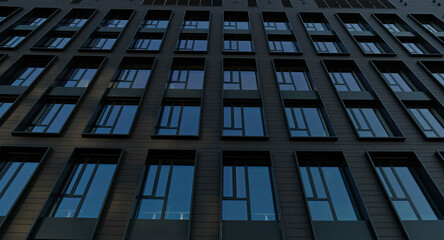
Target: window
(57, 40)
(371, 47)
(80, 74)
(270, 24)
(78, 19)
(414, 47)
(306, 121)
(132, 75)
(196, 20)
(115, 118)
(197, 43)
(236, 21)
(51, 117)
(435, 68)
(292, 77)
(429, 120)
(238, 43)
(117, 18)
(167, 190)
(5, 104)
(247, 192)
(282, 44)
(315, 26)
(239, 77)
(393, 26)
(15, 172)
(37, 19)
(355, 27)
(327, 46)
(179, 118)
(345, 80)
(13, 39)
(243, 120)
(156, 19)
(6, 12)
(101, 41)
(369, 122)
(327, 193)
(187, 75)
(147, 42)
(85, 191)
(406, 192)
(25, 75)
(398, 81)
(430, 22)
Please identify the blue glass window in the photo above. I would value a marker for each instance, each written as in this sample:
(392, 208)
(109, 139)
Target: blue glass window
(14, 175)
(147, 42)
(240, 80)
(132, 76)
(345, 80)
(186, 78)
(85, 191)
(406, 191)
(26, 75)
(240, 120)
(51, 117)
(327, 194)
(306, 122)
(429, 120)
(5, 104)
(115, 118)
(368, 122)
(253, 201)
(179, 119)
(293, 80)
(197, 43)
(80, 75)
(167, 192)
(398, 81)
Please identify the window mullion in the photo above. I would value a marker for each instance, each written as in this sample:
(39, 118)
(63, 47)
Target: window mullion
(12, 179)
(167, 190)
(324, 183)
(247, 191)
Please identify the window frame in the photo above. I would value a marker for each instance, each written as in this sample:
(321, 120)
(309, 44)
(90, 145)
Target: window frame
(45, 151)
(177, 103)
(242, 105)
(43, 221)
(186, 64)
(427, 184)
(337, 159)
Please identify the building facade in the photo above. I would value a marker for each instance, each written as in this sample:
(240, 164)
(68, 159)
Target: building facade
(205, 120)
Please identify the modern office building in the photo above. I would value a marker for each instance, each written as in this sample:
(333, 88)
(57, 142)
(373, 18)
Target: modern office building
(222, 120)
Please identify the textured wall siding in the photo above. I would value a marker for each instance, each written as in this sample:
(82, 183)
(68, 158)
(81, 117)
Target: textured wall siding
(205, 218)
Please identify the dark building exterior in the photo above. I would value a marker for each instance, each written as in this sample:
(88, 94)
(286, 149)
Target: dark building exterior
(211, 119)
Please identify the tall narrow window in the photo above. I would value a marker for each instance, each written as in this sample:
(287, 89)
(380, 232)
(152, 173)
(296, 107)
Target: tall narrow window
(27, 74)
(167, 191)
(115, 118)
(306, 121)
(327, 193)
(247, 192)
(85, 191)
(369, 122)
(243, 120)
(15, 172)
(179, 118)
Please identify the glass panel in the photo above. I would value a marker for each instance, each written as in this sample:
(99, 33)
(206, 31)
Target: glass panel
(320, 211)
(8, 174)
(234, 210)
(150, 209)
(86, 175)
(228, 181)
(163, 180)
(404, 210)
(180, 193)
(315, 122)
(240, 182)
(339, 195)
(393, 182)
(253, 121)
(306, 182)
(319, 186)
(189, 124)
(261, 194)
(15, 188)
(92, 204)
(67, 207)
(61, 118)
(416, 195)
(149, 183)
(126, 118)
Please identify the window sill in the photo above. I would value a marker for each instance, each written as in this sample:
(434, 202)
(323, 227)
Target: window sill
(395, 138)
(286, 53)
(261, 138)
(329, 138)
(238, 52)
(190, 51)
(156, 136)
(47, 49)
(102, 135)
(380, 54)
(35, 134)
(129, 50)
(425, 55)
(94, 50)
(333, 54)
